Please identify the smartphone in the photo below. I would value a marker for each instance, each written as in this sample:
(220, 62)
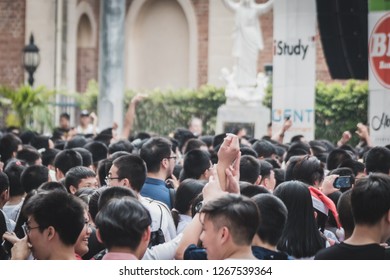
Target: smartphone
(342, 182)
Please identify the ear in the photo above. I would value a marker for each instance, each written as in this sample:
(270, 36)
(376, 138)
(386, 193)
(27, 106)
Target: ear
(72, 189)
(126, 183)
(98, 236)
(258, 181)
(59, 174)
(165, 163)
(51, 231)
(315, 215)
(146, 235)
(224, 234)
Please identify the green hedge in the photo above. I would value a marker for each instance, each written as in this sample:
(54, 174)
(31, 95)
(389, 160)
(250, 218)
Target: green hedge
(166, 110)
(338, 107)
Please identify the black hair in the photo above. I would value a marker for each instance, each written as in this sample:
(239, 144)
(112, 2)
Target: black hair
(114, 192)
(122, 218)
(336, 157)
(238, 213)
(301, 237)
(154, 151)
(67, 159)
(60, 210)
(48, 156)
(133, 168)
(273, 217)
(370, 198)
(195, 163)
(28, 154)
(264, 148)
(249, 169)
(14, 171)
(76, 174)
(121, 145)
(98, 149)
(75, 142)
(52, 186)
(378, 160)
(33, 176)
(4, 182)
(9, 144)
(86, 156)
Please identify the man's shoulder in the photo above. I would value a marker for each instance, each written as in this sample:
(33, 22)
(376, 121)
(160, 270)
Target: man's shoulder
(344, 251)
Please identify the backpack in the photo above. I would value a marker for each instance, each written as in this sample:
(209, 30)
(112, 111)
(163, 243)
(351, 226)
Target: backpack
(157, 237)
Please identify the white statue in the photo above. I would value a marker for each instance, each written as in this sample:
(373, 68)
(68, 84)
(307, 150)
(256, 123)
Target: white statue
(248, 39)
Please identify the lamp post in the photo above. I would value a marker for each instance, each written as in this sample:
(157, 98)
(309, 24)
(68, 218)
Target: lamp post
(31, 59)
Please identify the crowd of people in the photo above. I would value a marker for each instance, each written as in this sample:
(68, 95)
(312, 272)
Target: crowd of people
(87, 194)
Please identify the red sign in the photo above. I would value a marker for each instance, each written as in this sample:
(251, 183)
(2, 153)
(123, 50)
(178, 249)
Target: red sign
(379, 51)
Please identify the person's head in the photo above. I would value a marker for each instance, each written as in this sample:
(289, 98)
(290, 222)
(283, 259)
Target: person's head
(301, 237)
(65, 160)
(229, 222)
(124, 223)
(250, 190)
(9, 145)
(273, 217)
(64, 121)
(370, 201)
(267, 175)
(158, 156)
(29, 155)
(14, 172)
(280, 175)
(196, 165)
(356, 166)
(127, 171)
(264, 149)
(120, 146)
(297, 149)
(4, 189)
(33, 176)
(98, 150)
(85, 118)
(54, 221)
(250, 169)
(185, 194)
(76, 142)
(378, 160)
(345, 213)
(195, 144)
(81, 246)
(86, 156)
(80, 177)
(102, 170)
(336, 157)
(196, 126)
(48, 157)
(52, 186)
(307, 169)
(246, 150)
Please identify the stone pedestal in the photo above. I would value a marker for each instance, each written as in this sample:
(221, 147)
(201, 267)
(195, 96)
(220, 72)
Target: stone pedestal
(254, 118)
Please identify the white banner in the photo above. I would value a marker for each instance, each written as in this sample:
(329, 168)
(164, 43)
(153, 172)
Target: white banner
(294, 64)
(379, 76)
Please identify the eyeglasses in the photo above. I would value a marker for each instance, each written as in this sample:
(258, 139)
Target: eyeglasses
(26, 228)
(88, 225)
(174, 157)
(109, 178)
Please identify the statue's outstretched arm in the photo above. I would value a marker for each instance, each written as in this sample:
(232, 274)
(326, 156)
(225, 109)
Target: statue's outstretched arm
(231, 5)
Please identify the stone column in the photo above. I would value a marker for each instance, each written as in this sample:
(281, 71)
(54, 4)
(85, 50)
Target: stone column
(111, 67)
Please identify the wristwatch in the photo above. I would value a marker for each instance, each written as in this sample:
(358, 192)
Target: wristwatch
(198, 206)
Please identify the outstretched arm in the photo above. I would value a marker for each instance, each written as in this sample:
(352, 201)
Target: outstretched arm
(264, 8)
(231, 5)
(130, 114)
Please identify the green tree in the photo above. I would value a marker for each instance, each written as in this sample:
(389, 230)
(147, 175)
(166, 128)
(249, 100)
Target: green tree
(31, 107)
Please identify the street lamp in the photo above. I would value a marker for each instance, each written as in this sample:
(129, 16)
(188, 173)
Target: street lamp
(31, 59)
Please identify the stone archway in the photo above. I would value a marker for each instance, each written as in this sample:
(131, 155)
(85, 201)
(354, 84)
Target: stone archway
(161, 44)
